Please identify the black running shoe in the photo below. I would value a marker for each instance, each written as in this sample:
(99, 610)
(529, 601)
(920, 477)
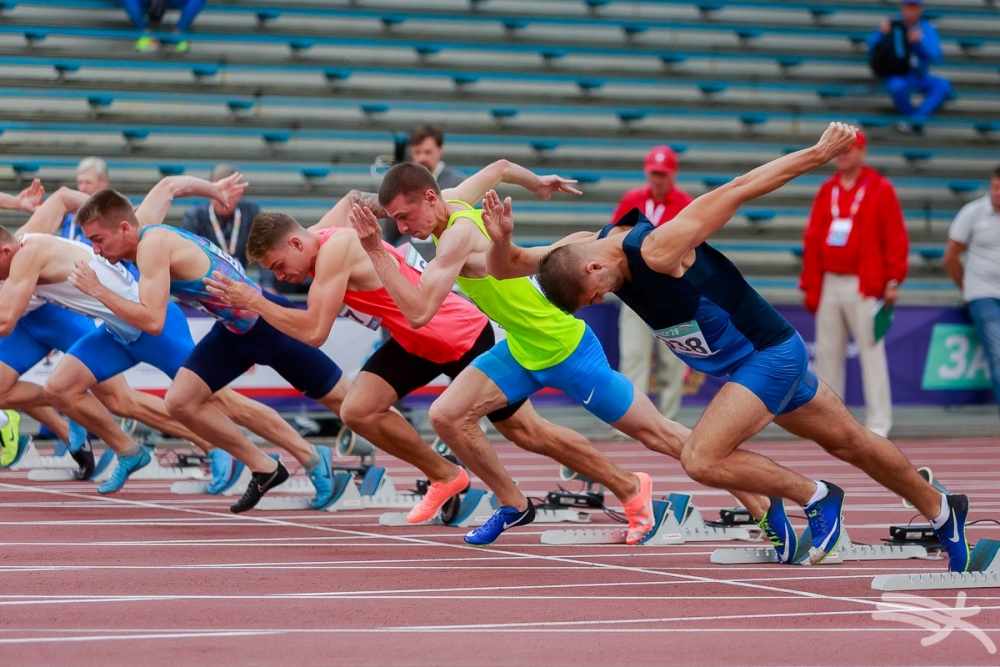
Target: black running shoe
(84, 457)
(259, 484)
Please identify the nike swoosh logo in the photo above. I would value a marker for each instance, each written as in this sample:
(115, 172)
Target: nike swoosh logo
(830, 536)
(510, 525)
(587, 402)
(784, 552)
(954, 533)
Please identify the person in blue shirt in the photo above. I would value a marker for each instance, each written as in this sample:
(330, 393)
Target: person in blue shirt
(925, 51)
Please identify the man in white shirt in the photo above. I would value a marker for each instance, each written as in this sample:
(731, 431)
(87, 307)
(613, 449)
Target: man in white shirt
(976, 232)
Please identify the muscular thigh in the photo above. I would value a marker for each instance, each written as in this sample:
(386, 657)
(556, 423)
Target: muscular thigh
(734, 416)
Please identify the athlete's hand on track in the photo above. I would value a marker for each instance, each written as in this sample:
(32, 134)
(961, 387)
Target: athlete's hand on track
(498, 218)
(366, 225)
(236, 294)
(552, 183)
(85, 279)
(838, 138)
(31, 197)
(229, 190)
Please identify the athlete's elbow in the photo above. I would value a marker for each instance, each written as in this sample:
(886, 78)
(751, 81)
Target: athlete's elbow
(316, 338)
(6, 327)
(419, 320)
(153, 327)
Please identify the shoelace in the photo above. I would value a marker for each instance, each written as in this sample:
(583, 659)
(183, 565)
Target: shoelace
(771, 534)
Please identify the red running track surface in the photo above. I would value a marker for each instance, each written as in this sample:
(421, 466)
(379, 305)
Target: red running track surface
(149, 578)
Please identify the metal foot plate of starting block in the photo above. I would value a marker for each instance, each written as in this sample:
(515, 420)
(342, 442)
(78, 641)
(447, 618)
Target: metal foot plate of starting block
(29, 458)
(984, 572)
(676, 521)
(846, 551)
(476, 507)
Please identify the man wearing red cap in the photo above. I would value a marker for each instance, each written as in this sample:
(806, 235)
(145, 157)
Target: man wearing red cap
(659, 201)
(855, 253)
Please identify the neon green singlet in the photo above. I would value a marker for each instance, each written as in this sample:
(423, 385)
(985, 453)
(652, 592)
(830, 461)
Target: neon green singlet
(539, 334)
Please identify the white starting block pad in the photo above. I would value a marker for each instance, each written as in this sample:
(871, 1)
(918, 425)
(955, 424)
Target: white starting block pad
(29, 458)
(475, 509)
(106, 465)
(676, 521)
(846, 551)
(984, 572)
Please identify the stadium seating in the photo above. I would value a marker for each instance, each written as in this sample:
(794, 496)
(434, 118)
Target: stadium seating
(302, 95)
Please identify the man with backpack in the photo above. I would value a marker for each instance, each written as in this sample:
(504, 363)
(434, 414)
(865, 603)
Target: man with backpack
(900, 53)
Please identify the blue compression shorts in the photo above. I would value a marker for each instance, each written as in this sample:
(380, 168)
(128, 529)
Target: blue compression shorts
(222, 356)
(39, 332)
(106, 356)
(585, 376)
(779, 376)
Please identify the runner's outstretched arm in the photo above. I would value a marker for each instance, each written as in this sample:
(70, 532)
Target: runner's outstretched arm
(418, 303)
(48, 216)
(155, 206)
(666, 245)
(27, 199)
(326, 295)
(504, 259)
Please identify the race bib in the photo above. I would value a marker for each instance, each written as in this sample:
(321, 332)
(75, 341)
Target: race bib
(685, 339)
(367, 321)
(414, 258)
(840, 230)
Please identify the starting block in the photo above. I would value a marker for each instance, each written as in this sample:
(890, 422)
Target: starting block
(928, 475)
(846, 551)
(675, 521)
(475, 509)
(106, 465)
(984, 572)
(29, 458)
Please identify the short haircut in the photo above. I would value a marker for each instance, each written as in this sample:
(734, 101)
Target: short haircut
(406, 178)
(996, 172)
(94, 164)
(267, 231)
(6, 238)
(560, 275)
(221, 171)
(107, 208)
(422, 132)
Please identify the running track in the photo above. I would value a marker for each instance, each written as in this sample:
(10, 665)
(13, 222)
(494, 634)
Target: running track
(149, 578)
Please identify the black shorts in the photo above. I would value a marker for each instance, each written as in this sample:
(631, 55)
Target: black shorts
(405, 371)
(222, 356)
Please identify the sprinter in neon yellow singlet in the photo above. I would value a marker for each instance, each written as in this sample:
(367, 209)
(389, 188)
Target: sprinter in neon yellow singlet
(544, 348)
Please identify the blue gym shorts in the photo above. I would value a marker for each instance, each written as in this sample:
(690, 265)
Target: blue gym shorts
(222, 356)
(585, 376)
(39, 332)
(779, 376)
(106, 356)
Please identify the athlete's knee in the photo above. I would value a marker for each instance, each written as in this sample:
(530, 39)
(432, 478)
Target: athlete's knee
(448, 417)
(178, 404)
(60, 390)
(698, 466)
(355, 415)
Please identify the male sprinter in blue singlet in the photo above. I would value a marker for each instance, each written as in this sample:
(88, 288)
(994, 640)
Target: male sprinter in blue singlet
(175, 262)
(698, 303)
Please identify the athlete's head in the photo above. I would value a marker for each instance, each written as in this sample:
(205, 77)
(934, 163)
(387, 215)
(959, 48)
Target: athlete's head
(8, 246)
(410, 195)
(91, 175)
(108, 221)
(427, 146)
(571, 277)
(281, 245)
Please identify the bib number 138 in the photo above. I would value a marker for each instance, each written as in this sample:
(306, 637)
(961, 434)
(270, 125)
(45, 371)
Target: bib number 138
(685, 339)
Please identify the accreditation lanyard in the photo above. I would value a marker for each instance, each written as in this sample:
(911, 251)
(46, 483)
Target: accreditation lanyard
(840, 227)
(234, 235)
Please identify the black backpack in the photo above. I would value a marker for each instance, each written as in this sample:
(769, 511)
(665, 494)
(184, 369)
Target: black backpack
(891, 54)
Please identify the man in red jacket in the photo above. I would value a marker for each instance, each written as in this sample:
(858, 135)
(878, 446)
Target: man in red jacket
(855, 254)
(660, 200)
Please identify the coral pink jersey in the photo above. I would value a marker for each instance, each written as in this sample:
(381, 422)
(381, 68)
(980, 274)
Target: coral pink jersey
(450, 333)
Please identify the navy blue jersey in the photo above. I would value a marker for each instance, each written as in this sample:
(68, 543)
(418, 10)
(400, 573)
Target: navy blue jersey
(710, 317)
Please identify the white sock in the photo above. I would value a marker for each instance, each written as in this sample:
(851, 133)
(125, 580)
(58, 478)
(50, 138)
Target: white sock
(820, 494)
(3, 419)
(943, 516)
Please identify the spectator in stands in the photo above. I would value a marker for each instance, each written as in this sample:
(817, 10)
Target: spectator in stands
(227, 227)
(91, 177)
(976, 232)
(660, 200)
(427, 149)
(144, 12)
(855, 253)
(901, 51)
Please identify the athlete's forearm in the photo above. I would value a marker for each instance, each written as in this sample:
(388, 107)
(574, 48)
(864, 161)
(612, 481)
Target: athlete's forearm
(139, 315)
(9, 202)
(415, 308)
(155, 206)
(301, 324)
(505, 261)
